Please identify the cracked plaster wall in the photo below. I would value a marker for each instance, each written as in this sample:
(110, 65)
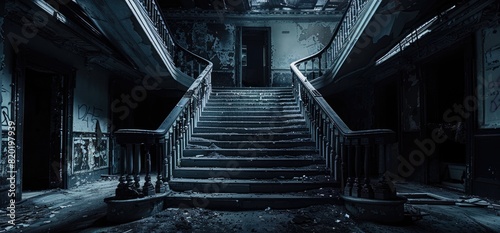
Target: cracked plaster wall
(290, 41)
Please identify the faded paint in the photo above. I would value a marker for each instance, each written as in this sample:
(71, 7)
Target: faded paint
(489, 78)
(217, 42)
(91, 101)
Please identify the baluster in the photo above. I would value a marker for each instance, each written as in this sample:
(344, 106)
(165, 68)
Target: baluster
(320, 72)
(305, 68)
(137, 167)
(160, 165)
(328, 144)
(348, 191)
(148, 188)
(130, 165)
(122, 185)
(313, 69)
(126, 188)
(338, 154)
(170, 155)
(356, 188)
(367, 191)
(319, 133)
(177, 153)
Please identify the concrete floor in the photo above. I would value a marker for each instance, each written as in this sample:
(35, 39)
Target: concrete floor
(82, 209)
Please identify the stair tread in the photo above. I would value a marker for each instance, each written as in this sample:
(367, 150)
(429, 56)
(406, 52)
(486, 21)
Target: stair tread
(252, 169)
(299, 180)
(273, 158)
(252, 149)
(266, 132)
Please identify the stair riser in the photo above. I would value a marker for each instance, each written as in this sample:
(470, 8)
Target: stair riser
(251, 130)
(250, 118)
(251, 108)
(244, 188)
(240, 163)
(243, 174)
(253, 137)
(247, 153)
(255, 144)
(251, 104)
(253, 89)
(248, 113)
(249, 124)
(229, 97)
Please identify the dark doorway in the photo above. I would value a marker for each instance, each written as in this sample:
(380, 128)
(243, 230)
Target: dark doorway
(43, 130)
(255, 57)
(445, 90)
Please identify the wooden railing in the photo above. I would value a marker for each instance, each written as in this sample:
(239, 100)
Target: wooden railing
(186, 61)
(169, 140)
(328, 60)
(353, 157)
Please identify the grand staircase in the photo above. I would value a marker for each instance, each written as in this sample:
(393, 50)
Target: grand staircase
(251, 148)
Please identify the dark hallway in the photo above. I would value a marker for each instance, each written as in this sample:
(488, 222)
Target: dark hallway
(42, 136)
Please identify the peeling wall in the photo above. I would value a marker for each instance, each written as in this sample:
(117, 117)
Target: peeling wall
(489, 77)
(290, 41)
(90, 143)
(90, 105)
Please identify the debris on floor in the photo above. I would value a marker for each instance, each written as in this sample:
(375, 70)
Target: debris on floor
(471, 202)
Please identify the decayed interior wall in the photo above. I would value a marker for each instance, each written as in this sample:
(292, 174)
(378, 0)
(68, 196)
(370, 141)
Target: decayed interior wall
(486, 166)
(217, 41)
(90, 142)
(88, 147)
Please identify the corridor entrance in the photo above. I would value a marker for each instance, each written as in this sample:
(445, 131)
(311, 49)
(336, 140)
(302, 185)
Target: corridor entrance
(445, 89)
(255, 57)
(43, 130)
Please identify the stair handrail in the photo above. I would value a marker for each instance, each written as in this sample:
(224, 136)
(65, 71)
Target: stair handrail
(173, 47)
(170, 138)
(343, 149)
(328, 60)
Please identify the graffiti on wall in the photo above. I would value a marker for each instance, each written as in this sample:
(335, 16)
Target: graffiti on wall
(5, 108)
(489, 85)
(89, 153)
(89, 115)
(3, 157)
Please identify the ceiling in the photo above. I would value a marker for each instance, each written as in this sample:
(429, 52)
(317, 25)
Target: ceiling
(253, 5)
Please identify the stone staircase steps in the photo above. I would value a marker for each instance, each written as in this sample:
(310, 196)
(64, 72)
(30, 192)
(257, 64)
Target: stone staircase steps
(251, 108)
(249, 186)
(251, 113)
(243, 123)
(253, 130)
(252, 118)
(248, 173)
(251, 145)
(249, 152)
(263, 162)
(252, 136)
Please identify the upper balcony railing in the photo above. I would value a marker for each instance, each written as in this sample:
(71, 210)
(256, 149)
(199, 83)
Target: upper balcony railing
(353, 156)
(169, 140)
(188, 62)
(328, 60)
